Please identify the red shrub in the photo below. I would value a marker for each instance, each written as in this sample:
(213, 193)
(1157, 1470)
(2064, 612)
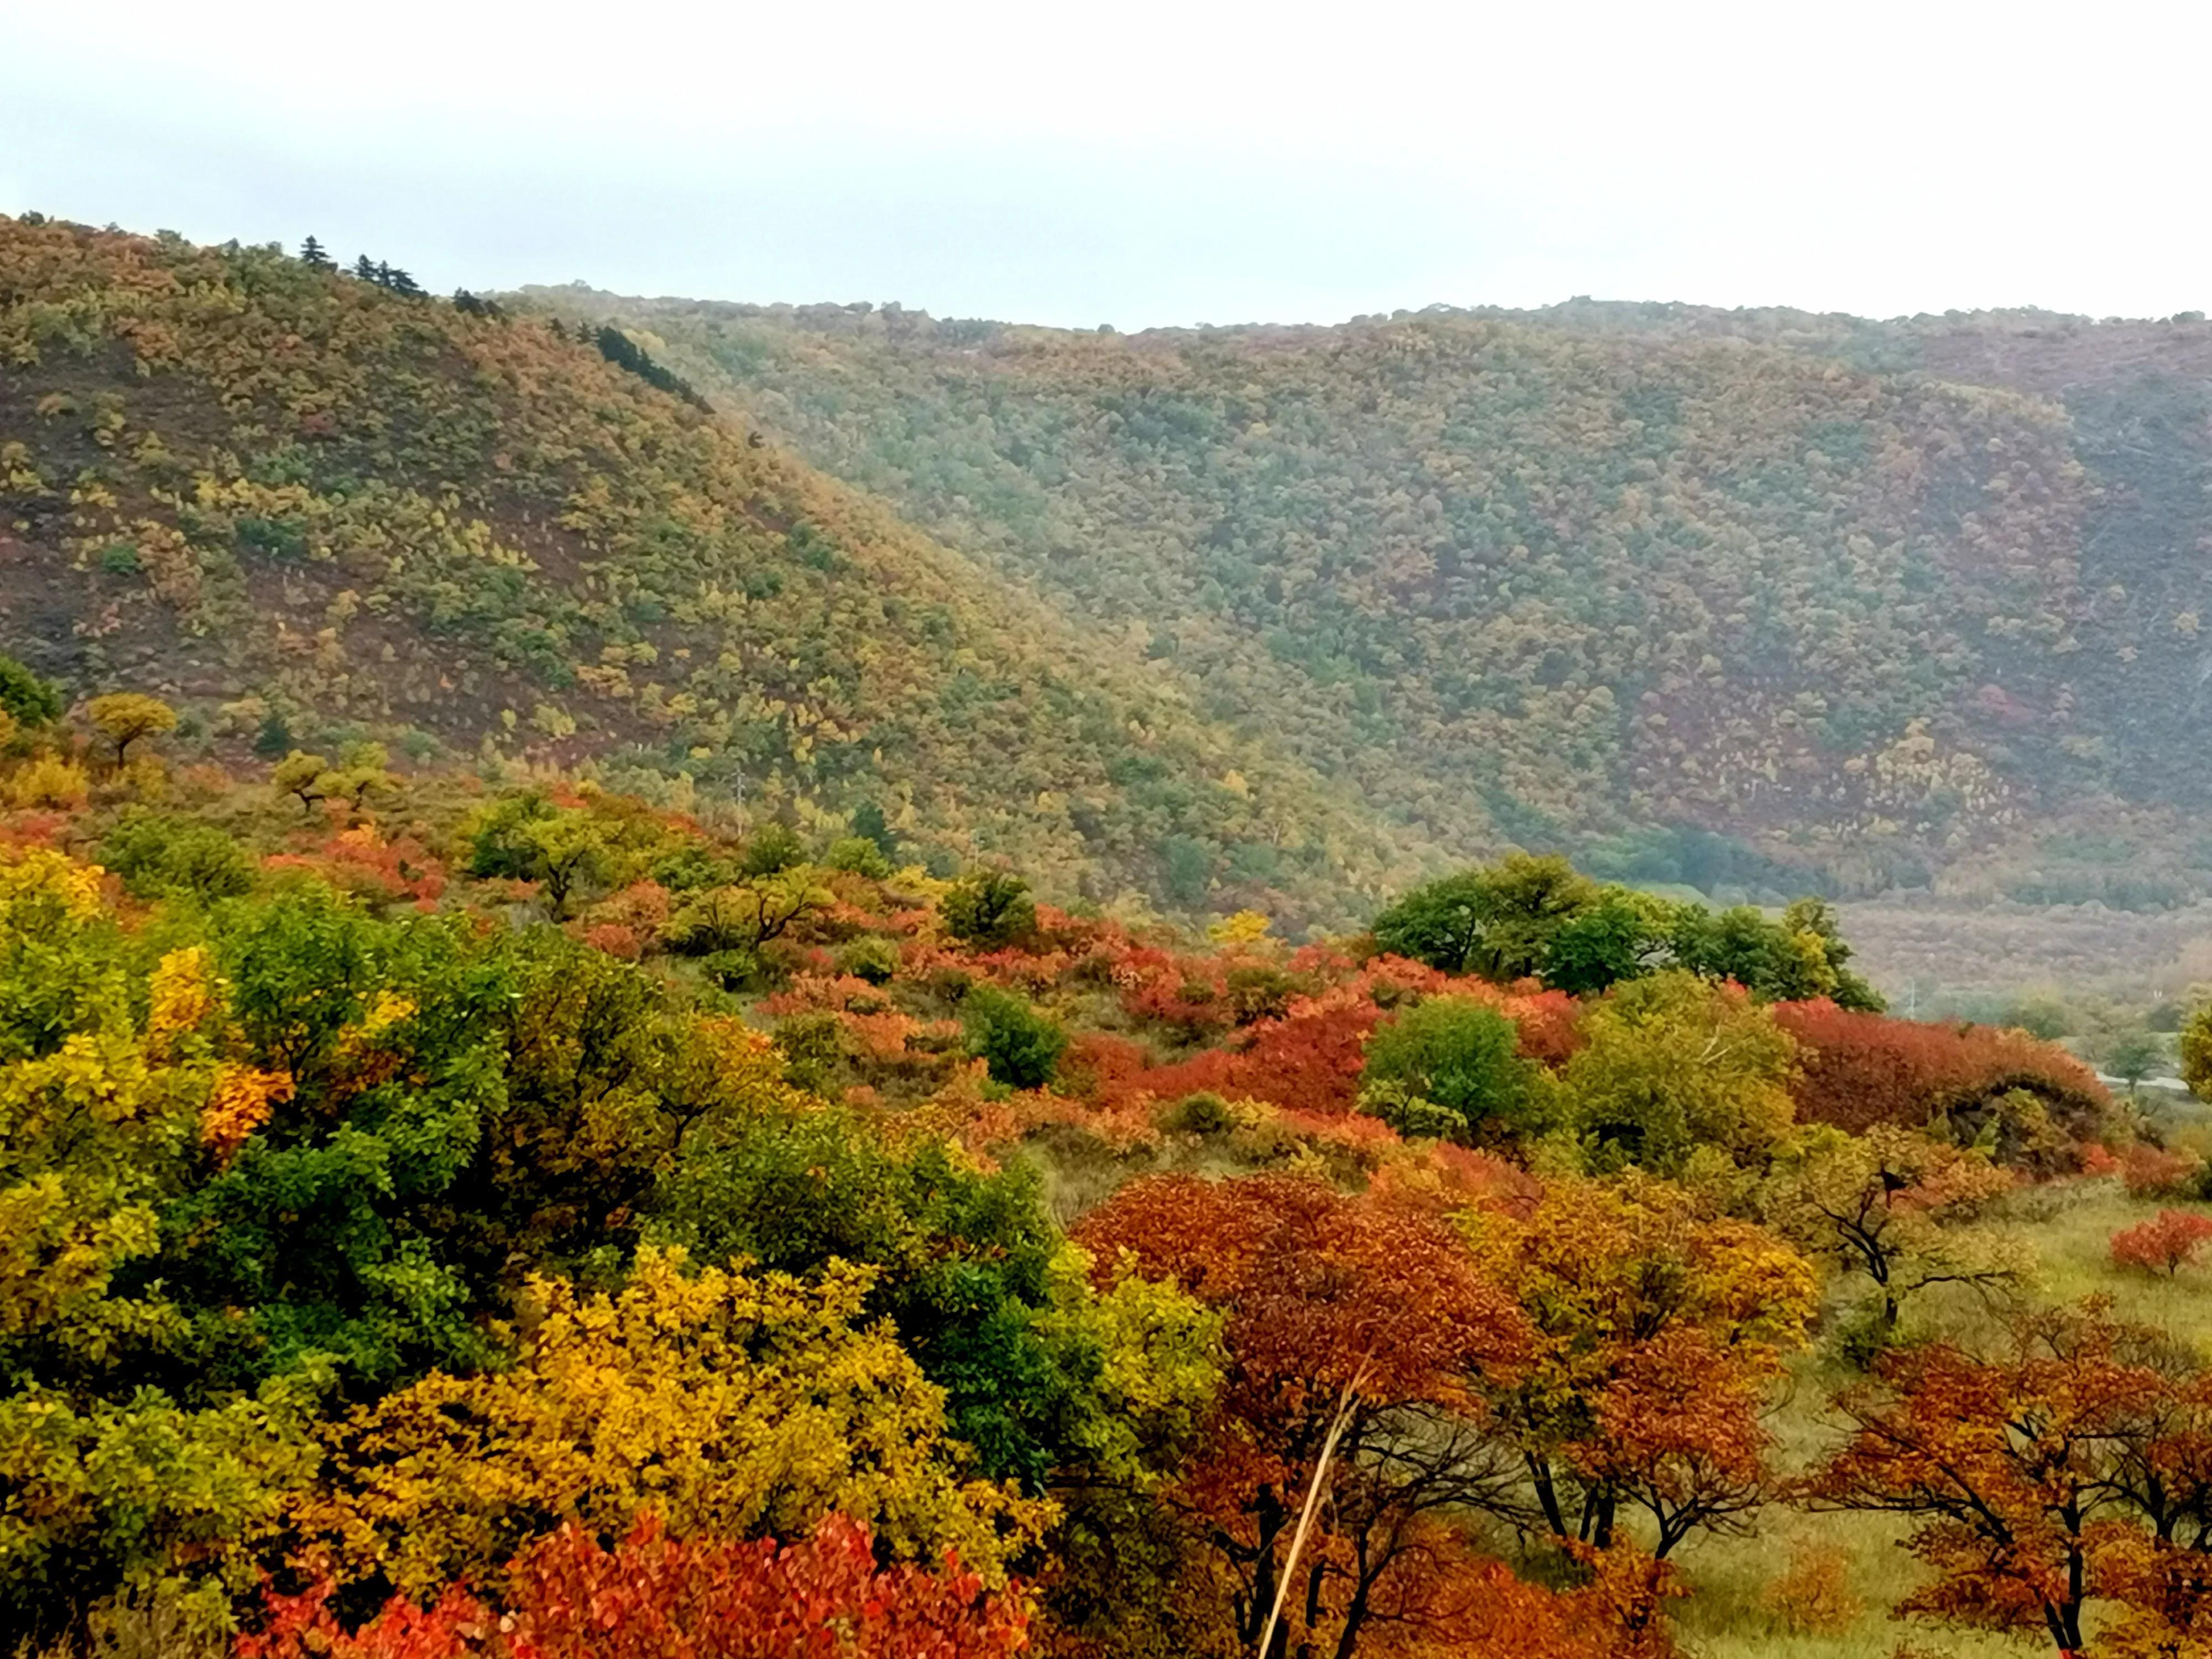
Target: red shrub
(1858, 1070)
(614, 938)
(2155, 1172)
(651, 1597)
(2166, 1243)
(361, 862)
(2097, 1159)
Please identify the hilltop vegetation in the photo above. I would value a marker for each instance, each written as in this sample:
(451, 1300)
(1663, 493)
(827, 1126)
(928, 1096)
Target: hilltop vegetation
(310, 507)
(1706, 596)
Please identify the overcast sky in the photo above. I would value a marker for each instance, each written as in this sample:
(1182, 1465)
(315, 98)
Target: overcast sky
(1151, 162)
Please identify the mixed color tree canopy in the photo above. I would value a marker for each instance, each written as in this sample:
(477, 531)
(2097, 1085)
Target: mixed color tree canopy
(606, 1051)
(438, 1202)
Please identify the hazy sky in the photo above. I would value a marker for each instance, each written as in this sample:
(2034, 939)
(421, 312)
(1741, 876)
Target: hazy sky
(1151, 163)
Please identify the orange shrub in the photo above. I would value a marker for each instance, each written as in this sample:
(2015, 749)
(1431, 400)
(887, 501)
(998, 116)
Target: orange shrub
(2166, 1243)
(2155, 1172)
(651, 1597)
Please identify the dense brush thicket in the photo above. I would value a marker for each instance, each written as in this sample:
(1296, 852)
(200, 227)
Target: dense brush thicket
(479, 1213)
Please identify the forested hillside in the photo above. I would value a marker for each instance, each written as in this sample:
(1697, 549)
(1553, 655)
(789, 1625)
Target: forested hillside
(311, 506)
(1885, 604)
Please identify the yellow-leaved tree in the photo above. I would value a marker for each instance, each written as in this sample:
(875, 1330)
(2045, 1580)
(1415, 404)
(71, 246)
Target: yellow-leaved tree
(735, 1405)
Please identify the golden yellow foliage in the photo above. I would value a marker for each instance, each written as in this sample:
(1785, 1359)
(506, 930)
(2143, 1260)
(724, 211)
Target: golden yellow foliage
(48, 782)
(1245, 927)
(181, 993)
(35, 878)
(733, 1404)
(239, 1103)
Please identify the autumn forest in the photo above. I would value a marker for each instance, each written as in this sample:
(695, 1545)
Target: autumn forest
(700, 981)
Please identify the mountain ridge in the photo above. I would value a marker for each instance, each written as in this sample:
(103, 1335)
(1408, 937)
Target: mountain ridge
(1949, 591)
(310, 507)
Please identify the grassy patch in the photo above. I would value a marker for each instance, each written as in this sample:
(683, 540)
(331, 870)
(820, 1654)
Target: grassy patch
(1729, 1616)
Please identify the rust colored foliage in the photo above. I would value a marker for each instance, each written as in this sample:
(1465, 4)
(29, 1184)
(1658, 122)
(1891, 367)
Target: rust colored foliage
(1310, 1058)
(380, 872)
(1333, 1303)
(1659, 1330)
(2076, 1466)
(2155, 1172)
(2168, 1241)
(653, 1597)
(1478, 1609)
(1857, 1070)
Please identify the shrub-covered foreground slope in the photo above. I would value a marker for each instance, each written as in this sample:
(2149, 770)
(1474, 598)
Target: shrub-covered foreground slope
(465, 1217)
(1883, 603)
(307, 507)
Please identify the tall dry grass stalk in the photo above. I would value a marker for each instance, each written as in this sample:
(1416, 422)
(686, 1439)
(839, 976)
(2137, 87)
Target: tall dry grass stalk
(1329, 1445)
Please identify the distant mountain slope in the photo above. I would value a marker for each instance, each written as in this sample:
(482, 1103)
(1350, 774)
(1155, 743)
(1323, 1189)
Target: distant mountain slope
(1883, 603)
(306, 506)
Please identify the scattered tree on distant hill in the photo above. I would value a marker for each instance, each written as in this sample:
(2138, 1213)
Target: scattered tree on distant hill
(30, 699)
(989, 907)
(123, 717)
(312, 256)
(1021, 1047)
(868, 820)
(308, 777)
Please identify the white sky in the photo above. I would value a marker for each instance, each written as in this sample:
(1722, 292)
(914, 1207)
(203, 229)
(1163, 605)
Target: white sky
(1148, 162)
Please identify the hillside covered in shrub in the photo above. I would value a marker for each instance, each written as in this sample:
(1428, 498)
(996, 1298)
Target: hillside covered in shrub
(1697, 594)
(476, 1213)
(310, 506)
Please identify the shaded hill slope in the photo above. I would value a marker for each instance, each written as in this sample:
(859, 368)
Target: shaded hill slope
(307, 507)
(1885, 603)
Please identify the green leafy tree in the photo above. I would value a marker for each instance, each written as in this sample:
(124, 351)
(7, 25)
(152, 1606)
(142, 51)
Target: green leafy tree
(307, 778)
(1499, 922)
(1450, 1067)
(989, 907)
(771, 849)
(858, 854)
(570, 853)
(158, 855)
(2195, 1048)
(868, 820)
(126, 1463)
(1623, 935)
(2133, 1054)
(1021, 1047)
(330, 1231)
(971, 1273)
(1795, 959)
(1672, 1063)
(30, 699)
